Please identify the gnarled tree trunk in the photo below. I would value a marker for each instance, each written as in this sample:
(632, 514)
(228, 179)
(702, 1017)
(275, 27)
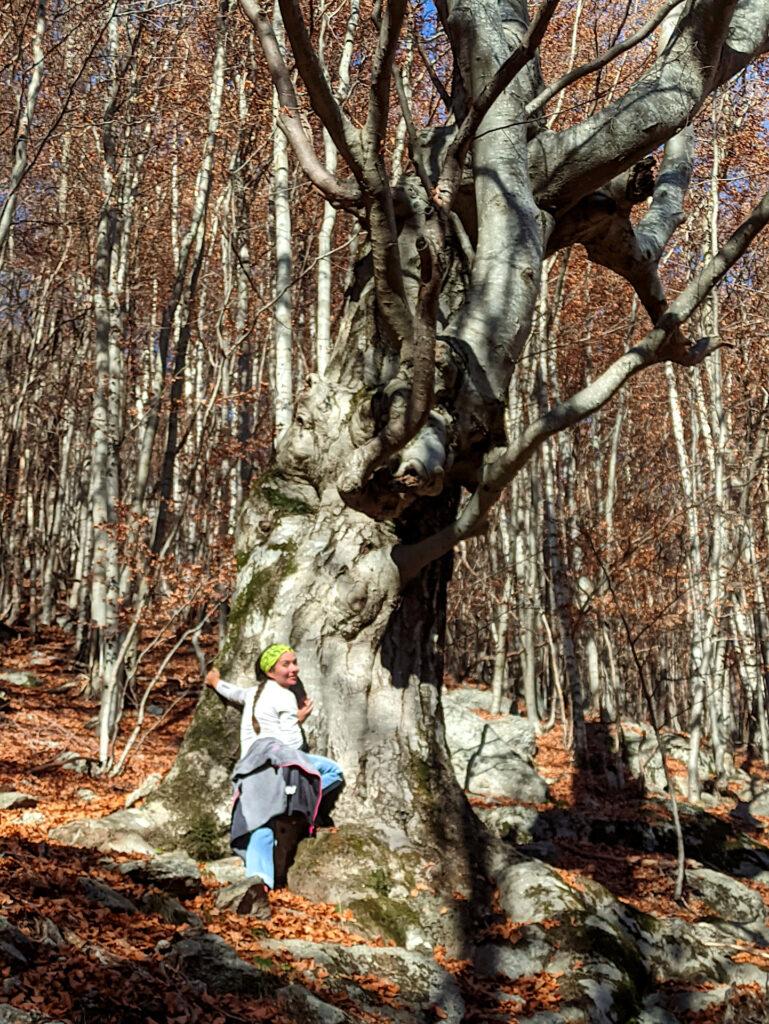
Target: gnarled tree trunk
(344, 547)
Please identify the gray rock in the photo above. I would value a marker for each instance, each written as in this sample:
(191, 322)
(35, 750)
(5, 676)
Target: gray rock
(85, 795)
(168, 908)
(501, 773)
(676, 950)
(566, 1015)
(137, 819)
(45, 932)
(516, 731)
(226, 870)
(644, 759)
(16, 948)
(605, 991)
(206, 958)
(24, 679)
(373, 873)
(32, 818)
(128, 842)
(247, 897)
(149, 785)
(419, 978)
(70, 761)
(694, 1001)
(527, 957)
(727, 897)
(104, 894)
(466, 697)
(13, 801)
(754, 934)
(532, 891)
(491, 757)
(175, 873)
(12, 1015)
(466, 727)
(514, 823)
(760, 804)
(100, 835)
(305, 1007)
(653, 1013)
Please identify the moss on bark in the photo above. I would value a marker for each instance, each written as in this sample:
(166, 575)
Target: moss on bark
(194, 797)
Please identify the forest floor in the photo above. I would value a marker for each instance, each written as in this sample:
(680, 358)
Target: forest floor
(112, 972)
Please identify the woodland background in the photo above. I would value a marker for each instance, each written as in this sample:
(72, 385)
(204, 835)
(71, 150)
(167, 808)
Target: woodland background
(168, 279)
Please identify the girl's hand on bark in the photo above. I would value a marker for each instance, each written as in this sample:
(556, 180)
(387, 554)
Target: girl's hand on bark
(305, 709)
(213, 677)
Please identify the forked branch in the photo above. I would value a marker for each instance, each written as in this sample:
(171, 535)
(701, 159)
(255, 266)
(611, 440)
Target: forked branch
(451, 173)
(502, 465)
(341, 193)
(410, 394)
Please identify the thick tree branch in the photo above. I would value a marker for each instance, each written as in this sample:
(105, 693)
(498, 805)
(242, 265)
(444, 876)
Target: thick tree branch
(492, 325)
(605, 58)
(410, 394)
(451, 173)
(381, 73)
(340, 193)
(438, 85)
(667, 209)
(602, 222)
(502, 465)
(748, 38)
(343, 133)
(568, 165)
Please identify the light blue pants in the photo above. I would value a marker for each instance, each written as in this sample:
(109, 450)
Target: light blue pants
(259, 855)
(260, 859)
(330, 772)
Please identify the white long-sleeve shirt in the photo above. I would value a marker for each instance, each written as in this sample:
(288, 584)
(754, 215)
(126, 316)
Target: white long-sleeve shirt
(276, 711)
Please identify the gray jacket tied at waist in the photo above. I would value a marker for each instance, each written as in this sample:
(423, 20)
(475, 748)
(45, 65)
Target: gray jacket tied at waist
(269, 780)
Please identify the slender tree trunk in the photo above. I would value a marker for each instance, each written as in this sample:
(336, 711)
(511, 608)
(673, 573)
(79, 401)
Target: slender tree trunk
(20, 157)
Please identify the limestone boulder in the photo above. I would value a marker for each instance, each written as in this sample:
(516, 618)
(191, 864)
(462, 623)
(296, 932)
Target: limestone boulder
(16, 949)
(422, 984)
(226, 870)
(121, 832)
(99, 892)
(14, 801)
(491, 757)
(516, 824)
(728, 898)
(175, 873)
(206, 958)
(13, 1015)
(532, 891)
(302, 1005)
(247, 897)
(168, 908)
(373, 874)
(24, 680)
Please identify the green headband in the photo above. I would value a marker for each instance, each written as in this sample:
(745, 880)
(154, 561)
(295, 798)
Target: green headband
(271, 655)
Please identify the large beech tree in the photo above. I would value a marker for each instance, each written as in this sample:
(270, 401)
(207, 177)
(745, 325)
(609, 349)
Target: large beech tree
(399, 449)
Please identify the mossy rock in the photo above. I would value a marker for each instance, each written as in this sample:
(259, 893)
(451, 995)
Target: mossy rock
(192, 803)
(356, 869)
(354, 862)
(389, 919)
(588, 935)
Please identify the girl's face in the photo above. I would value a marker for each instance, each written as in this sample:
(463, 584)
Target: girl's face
(285, 671)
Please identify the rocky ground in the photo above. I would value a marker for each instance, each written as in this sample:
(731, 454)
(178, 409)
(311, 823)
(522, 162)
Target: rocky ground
(98, 926)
